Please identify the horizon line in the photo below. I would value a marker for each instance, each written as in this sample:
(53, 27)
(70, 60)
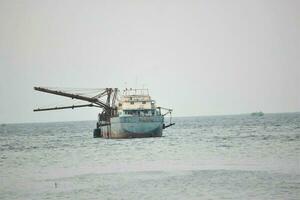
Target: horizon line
(182, 116)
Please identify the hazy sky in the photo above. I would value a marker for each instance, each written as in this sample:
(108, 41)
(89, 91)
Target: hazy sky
(198, 57)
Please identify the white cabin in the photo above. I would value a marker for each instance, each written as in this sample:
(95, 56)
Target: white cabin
(136, 102)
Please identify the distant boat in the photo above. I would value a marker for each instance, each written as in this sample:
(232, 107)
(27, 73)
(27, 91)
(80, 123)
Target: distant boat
(257, 114)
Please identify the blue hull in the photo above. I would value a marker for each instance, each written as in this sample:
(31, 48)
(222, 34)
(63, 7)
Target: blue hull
(134, 127)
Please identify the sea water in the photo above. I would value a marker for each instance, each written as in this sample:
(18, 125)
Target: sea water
(215, 157)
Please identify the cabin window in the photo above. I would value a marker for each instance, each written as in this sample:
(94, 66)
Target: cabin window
(144, 102)
(132, 102)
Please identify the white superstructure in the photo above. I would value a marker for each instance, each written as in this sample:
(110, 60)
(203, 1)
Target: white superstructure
(136, 101)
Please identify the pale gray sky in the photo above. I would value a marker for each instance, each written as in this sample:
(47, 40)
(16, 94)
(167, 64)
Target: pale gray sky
(198, 57)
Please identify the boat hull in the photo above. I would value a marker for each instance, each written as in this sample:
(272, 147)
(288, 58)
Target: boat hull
(133, 127)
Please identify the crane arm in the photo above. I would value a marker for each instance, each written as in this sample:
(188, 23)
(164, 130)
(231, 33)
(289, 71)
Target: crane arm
(65, 107)
(73, 96)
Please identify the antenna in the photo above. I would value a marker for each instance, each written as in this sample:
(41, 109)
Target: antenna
(136, 81)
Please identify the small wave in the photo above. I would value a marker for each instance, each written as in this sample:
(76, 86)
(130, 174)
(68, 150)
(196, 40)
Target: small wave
(224, 146)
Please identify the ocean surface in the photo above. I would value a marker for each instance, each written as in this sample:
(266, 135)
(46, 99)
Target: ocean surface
(217, 157)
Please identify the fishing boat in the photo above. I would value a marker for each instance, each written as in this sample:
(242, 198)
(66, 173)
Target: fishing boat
(133, 114)
(257, 114)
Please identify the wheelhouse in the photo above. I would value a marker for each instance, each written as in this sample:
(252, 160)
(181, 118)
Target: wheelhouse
(137, 102)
